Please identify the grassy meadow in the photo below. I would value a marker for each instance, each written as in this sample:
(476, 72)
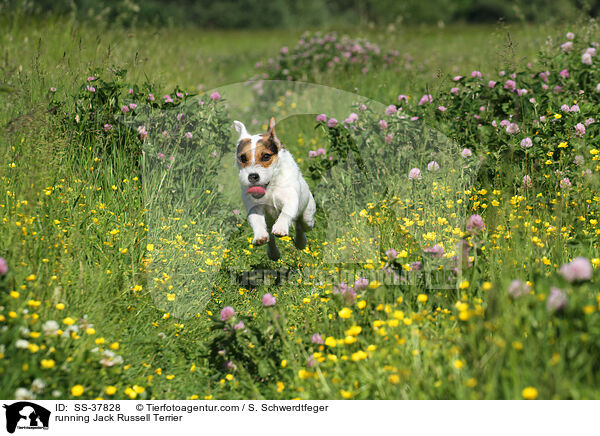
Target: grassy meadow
(97, 226)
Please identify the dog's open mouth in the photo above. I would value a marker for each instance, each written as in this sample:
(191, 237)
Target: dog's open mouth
(257, 191)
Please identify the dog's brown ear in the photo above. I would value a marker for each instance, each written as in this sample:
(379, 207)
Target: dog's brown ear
(272, 136)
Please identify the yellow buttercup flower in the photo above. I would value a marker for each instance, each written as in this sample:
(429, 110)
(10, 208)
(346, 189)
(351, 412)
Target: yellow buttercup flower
(345, 313)
(77, 390)
(330, 342)
(354, 331)
(110, 390)
(304, 374)
(359, 355)
(374, 284)
(47, 363)
(138, 389)
(346, 394)
(529, 393)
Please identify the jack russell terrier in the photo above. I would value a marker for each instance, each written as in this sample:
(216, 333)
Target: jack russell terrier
(273, 190)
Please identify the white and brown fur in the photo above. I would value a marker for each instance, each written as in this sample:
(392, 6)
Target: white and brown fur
(263, 161)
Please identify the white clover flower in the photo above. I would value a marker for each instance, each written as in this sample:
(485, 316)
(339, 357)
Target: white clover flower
(24, 394)
(22, 344)
(38, 386)
(50, 327)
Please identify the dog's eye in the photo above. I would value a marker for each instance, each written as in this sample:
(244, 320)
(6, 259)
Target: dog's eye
(243, 158)
(266, 157)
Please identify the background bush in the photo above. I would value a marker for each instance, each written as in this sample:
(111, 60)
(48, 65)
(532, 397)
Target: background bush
(234, 14)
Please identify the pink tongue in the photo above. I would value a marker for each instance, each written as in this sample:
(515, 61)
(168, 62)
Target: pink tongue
(256, 190)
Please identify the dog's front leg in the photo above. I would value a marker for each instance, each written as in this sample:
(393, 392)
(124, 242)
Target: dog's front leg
(289, 211)
(256, 219)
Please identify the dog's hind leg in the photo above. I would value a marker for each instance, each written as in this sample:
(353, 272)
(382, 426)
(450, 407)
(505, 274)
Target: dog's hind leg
(272, 250)
(305, 223)
(300, 240)
(308, 216)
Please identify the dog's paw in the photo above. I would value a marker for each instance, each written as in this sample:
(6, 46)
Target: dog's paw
(280, 229)
(260, 239)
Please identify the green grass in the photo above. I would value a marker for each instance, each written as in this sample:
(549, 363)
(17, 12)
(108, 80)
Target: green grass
(75, 229)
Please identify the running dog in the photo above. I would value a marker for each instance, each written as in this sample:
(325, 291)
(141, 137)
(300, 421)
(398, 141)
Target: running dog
(273, 190)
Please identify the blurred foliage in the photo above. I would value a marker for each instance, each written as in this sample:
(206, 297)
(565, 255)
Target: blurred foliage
(309, 13)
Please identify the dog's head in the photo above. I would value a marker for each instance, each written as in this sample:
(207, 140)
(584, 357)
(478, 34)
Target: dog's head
(257, 158)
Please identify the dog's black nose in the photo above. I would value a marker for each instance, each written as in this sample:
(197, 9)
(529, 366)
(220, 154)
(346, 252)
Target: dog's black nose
(253, 178)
